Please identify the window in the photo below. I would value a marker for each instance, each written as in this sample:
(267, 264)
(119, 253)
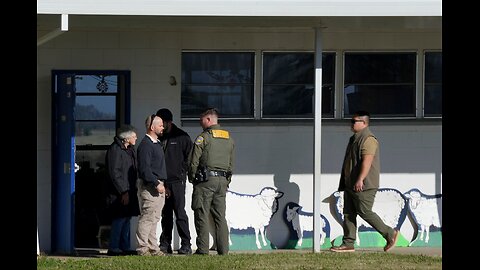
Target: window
(382, 83)
(289, 84)
(95, 108)
(224, 80)
(433, 84)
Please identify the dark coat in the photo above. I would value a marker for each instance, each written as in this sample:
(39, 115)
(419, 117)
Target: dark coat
(122, 173)
(177, 146)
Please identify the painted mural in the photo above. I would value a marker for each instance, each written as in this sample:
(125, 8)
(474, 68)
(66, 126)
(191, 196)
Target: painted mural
(390, 205)
(425, 212)
(248, 217)
(301, 225)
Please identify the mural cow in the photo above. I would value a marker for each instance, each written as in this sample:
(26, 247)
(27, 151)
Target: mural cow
(390, 205)
(303, 222)
(252, 211)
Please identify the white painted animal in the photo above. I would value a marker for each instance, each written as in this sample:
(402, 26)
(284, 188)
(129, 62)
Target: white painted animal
(303, 221)
(425, 210)
(251, 211)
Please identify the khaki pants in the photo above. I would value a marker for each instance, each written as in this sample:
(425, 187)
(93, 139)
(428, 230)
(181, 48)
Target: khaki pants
(151, 205)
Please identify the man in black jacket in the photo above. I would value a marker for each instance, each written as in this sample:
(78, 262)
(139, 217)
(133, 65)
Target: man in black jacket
(176, 146)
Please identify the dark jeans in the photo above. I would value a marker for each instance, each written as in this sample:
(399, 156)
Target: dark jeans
(175, 203)
(120, 234)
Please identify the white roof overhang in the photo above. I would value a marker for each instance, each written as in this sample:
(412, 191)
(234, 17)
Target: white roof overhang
(243, 7)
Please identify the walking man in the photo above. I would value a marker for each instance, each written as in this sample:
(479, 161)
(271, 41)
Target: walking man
(359, 180)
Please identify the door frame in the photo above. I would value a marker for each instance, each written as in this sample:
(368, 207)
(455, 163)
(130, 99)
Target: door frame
(63, 176)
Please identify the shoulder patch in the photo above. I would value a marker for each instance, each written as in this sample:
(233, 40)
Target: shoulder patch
(199, 140)
(218, 133)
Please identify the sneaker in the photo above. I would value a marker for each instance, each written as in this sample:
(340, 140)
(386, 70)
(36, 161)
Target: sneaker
(185, 250)
(165, 249)
(157, 253)
(342, 248)
(390, 244)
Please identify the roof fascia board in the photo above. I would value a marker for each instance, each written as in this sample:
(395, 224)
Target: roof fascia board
(243, 7)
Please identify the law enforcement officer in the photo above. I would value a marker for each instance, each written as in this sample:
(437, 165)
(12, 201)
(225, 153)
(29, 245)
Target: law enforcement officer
(210, 171)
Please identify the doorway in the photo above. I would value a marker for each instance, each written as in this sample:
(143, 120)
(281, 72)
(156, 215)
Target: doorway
(88, 107)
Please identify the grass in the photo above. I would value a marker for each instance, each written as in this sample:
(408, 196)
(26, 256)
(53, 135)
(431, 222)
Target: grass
(277, 260)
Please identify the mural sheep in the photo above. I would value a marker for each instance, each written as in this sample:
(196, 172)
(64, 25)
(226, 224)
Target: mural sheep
(246, 210)
(425, 211)
(389, 204)
(303, 221)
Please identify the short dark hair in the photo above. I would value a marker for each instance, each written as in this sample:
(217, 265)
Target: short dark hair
(362, 113)
(210, 110)
(165, 114)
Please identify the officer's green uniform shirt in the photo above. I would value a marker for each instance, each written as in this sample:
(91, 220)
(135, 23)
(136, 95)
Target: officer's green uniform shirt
(213, 149)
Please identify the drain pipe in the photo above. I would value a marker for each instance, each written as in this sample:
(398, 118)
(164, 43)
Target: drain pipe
(55, 33)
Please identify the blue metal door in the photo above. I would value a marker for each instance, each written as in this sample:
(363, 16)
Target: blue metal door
(87, 107)
(63, 146)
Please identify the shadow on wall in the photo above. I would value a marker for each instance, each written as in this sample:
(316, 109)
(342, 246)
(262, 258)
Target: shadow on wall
(278, 231)
(301, 227)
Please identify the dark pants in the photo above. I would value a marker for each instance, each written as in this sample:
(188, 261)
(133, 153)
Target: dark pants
(175, 203)
(209, 198)
(361, 203)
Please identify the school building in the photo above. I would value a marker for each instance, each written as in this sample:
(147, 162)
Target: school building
(286, 77)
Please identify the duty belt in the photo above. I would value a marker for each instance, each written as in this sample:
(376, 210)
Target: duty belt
(217, 173)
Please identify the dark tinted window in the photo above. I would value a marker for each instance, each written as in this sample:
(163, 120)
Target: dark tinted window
(381, 83)
(218, 79)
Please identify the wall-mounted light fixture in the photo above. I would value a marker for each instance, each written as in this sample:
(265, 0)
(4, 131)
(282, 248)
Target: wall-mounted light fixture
(172, 80)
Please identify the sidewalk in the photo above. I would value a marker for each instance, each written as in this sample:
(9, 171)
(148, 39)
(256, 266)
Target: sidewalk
(429, 251)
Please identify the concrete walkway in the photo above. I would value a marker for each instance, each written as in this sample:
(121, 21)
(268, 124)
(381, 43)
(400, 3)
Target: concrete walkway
(429, 251)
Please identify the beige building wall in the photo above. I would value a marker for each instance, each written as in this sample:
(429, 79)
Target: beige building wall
(275, 151)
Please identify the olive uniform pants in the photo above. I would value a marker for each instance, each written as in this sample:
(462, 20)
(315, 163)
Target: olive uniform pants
(361, 203)
(209, 198)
